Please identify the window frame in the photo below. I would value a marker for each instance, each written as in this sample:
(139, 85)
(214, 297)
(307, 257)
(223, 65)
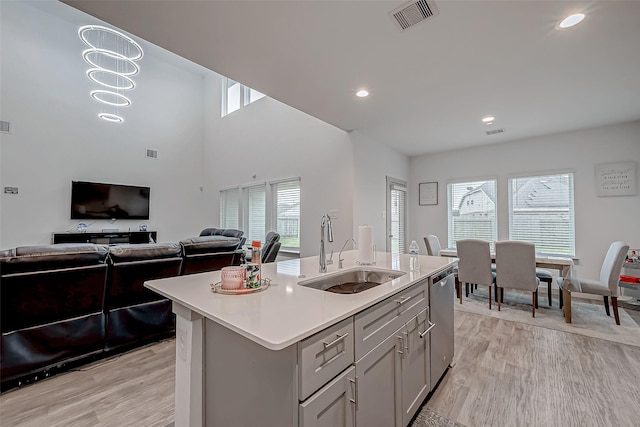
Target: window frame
(571, 210)
(245, 96)
(451, 241)
(223, 215)
(270, 209)
(273, 220)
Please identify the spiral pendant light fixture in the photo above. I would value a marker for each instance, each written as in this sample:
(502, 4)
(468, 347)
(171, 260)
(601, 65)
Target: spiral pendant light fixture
(112, 58)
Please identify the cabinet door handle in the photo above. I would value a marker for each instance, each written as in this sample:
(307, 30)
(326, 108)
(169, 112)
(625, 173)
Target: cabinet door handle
(406, 341)
(335, 341)
(355, 383)
(401, 344)
(431, 326)
(402, 300)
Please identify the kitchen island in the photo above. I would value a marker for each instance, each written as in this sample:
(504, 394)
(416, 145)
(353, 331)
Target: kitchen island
(296, 356)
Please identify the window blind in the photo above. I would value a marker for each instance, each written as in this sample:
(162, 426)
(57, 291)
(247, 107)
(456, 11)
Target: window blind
(287, 212)
(541, 211)
(472, 211)
(256, 213)
(398, 218)
(230, 208)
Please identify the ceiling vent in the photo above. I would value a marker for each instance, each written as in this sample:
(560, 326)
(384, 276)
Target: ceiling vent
(5, 127)
(409, 14)
(495, 131)
(152, 154)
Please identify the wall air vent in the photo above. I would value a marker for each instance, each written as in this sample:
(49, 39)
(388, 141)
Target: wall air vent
(5, 127)
(152, 154)
(495, 131)
(411, 13)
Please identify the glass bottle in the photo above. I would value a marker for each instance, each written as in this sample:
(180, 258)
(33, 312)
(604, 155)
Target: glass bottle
(414, 261)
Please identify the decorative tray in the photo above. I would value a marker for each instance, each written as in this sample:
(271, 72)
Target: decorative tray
(217, 287)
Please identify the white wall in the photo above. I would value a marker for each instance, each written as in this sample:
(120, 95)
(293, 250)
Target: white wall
(58, 138)
(372, 163)
(599, 220)
(274, 141)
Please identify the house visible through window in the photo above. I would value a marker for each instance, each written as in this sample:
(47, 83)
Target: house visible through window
(258, 209)
(472, 211)
(236, 95)
(541, 212)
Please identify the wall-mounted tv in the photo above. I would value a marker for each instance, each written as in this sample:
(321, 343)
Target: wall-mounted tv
(95, 200)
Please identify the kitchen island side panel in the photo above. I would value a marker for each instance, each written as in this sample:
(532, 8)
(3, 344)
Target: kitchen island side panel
(246, 383)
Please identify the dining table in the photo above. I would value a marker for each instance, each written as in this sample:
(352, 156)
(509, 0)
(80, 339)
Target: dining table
(564, 265)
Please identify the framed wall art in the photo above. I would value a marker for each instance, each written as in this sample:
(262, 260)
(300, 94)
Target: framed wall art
(428, 193)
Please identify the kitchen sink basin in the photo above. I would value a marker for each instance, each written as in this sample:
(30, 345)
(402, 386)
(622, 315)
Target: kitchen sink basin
(352, 281)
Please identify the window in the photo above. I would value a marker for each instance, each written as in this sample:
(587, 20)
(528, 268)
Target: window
(472, 211)
(397, 217)
(541, 212)
(259, 208)
(230, 208)
(286, 203)
(236, 96)
(255, 222)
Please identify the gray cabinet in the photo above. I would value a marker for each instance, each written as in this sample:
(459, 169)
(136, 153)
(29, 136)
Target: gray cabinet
(393, 378)
(378, 383)
(370, 369)
(415, 365)
(323, 356)
(375, 324)
(333, 405)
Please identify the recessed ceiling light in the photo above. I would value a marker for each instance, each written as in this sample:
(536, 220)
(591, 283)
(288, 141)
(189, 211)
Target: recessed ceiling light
(362, 93)
(488, 120)
(571, 20)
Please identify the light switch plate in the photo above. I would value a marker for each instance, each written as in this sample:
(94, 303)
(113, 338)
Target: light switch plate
(11, 190)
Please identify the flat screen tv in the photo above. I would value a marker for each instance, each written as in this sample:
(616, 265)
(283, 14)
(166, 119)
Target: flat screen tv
(94, 200)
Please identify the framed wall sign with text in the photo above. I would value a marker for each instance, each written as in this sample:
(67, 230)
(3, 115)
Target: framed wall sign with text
(616, 179)
(428, 193)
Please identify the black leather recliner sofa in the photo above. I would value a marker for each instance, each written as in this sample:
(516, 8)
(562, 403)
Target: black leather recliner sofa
(52, 301)
(135, 313)
(207, 253)
(65, 302)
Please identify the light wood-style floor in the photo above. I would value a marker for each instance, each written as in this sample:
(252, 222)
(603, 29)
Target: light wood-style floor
(505, 374)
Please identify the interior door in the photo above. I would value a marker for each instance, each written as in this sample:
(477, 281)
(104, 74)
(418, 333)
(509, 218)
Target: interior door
(396, 215)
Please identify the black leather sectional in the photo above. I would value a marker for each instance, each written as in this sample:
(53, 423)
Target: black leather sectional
(67, 302)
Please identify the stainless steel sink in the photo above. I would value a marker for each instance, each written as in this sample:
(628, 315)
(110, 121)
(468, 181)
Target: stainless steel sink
(352, 281)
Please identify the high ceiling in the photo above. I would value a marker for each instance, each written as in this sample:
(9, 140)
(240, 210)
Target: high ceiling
(429, 85)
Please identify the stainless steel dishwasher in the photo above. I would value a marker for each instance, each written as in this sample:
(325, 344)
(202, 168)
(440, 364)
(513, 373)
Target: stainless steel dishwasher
(441, 295)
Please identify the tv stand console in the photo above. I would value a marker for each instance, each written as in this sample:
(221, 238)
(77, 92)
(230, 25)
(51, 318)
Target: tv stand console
(106, 238)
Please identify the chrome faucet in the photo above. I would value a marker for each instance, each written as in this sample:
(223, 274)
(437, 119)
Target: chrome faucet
(326, 221)
(340, 259)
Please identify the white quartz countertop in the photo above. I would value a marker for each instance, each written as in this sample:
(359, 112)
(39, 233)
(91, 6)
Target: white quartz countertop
(287, 312)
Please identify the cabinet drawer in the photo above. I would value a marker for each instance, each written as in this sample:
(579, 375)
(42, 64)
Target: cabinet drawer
(323, 356)
(375, 324)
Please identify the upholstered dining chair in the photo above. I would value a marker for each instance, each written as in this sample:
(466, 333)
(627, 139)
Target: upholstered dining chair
(474, 265)
(516, 269)
(433, 248)
(433, 245)
(607, 284)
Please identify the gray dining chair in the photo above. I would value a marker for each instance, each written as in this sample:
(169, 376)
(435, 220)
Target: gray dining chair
(607, 284)
(516, 269)
(474, 265)
(433, 245)
(433, 248)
